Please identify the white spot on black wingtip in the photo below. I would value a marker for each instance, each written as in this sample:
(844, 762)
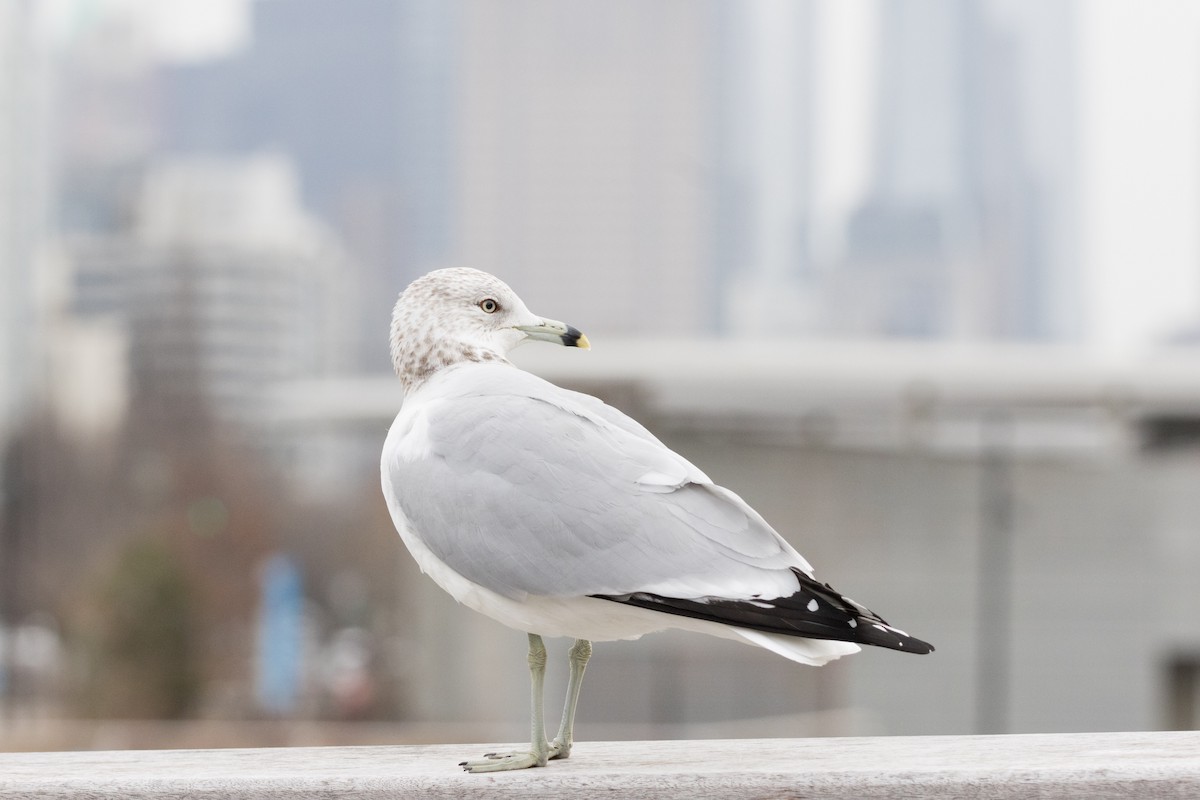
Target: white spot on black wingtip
(813, 605)
(853, 623)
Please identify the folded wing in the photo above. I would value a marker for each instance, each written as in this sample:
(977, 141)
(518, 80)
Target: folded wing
(529, 489)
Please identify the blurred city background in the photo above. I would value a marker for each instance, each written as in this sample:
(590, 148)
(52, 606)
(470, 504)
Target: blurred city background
(919, 279)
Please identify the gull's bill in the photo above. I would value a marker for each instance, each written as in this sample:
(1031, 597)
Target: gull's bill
(555, 332)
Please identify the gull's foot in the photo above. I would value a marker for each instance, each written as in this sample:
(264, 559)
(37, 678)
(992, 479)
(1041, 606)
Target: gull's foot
(496, 762)
(499, 762)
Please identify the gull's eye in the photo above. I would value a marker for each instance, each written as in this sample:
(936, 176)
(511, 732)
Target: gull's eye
(489, 305)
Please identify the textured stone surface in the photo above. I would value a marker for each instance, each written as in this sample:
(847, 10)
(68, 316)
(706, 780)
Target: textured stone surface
(1094, 765)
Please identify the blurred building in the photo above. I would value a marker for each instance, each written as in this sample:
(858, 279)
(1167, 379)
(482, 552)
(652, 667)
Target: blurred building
(766, 272)
(1032, 512)
(24, 187)
(223, 286)
(583, 142)
(360, 95)
(964, 230)
(107, 121)
(23, 197)
(967, 225)
(658, 168)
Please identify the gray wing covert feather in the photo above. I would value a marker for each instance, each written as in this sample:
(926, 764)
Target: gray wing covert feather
(525, 497)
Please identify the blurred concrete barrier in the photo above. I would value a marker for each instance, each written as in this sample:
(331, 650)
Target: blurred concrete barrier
(1092, 765)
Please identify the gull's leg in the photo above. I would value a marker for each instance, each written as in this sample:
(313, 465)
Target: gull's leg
(539, 749)
(580, 652)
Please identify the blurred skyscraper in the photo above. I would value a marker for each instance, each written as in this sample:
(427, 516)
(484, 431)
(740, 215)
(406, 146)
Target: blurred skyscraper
(767, 281)
(224, 285)
(964, 227)
(658, 167)
(638, 168)
(22, 205)
(584, 147)
(358, 94)
(107, 122)
(964, 231)
(22, 228)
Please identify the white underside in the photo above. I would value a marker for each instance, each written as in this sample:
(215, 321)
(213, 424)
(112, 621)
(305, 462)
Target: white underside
(595, 619)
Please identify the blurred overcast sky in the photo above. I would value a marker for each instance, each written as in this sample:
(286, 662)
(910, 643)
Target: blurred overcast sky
(1139, 68)
(181, 30)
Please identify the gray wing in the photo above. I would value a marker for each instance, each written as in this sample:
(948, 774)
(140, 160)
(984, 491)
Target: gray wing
(559, 495)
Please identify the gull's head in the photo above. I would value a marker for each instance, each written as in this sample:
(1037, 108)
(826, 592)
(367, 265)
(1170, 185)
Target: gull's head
(455, 315)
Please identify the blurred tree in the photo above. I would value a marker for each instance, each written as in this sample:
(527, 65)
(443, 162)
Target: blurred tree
(178, 496)
(143, 657)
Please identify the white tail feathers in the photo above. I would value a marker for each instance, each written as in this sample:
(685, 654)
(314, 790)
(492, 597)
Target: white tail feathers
(806, 651)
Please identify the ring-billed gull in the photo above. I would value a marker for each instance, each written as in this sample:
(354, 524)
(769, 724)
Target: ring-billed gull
(558, 515)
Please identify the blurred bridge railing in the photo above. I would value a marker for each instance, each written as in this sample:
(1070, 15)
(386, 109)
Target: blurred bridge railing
(1093, 765)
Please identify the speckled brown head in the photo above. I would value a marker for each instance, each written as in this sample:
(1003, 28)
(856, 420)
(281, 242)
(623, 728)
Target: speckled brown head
(455, 315)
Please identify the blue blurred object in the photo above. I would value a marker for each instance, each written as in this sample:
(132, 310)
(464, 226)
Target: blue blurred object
(280, 632)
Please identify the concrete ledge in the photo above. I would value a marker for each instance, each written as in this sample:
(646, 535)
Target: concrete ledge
(1094, 765)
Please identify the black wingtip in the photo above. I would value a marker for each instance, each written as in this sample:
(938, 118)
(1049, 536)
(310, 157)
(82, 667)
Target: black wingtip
(880, 634)
(815, 611)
